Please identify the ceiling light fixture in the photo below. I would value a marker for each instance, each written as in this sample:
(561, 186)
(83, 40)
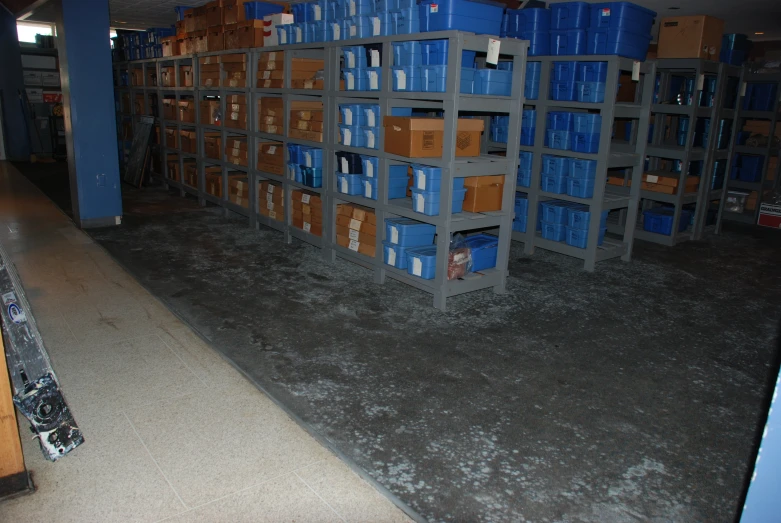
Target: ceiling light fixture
(759, 33)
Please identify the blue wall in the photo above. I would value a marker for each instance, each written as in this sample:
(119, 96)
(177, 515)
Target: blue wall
(85, 60)
(16, 138)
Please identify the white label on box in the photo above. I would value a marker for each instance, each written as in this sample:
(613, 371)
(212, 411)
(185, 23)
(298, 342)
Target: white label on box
(493, 51)
(743, 89)
(401, 80)
(348, 116)
(417, 267)
(272, 149)
(354, 235)
(235, 107)
(433, 8)
(266, 75)
(344, 187)
(392, 257)
(269, 200)
(282, 37)
(421, 180)
(318, 12)
(375, 57)
(370, 118)
(352, 8)
(348, 136)
(650, 178)
(394, 235)
(345, 166)
(308, 157)
(299, 38)
(350, 60)
(305, 198)
(354, 245)
(635, 71)
(272, 56)
(370, 139)
(271, 188)
(369, 168)
(353, 30)
(367, 189)
(374, 80)
(272, 214)
(375, 26)
(236, 152)
(350, 82)
(307, 226)
(700, 81)
(420, 203)
(269, 205)
(336, 31)
(267, 83)
(355, 224)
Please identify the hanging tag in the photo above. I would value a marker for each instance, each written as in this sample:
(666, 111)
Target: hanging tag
(350, 82)
(272, 149)
(421, 180)
(369, 168)
(375, 57)
(348, 116)
(299, 38)
(370, 117)
(354, 245)
(392, 257)
(743, 89)
(307, 226)
(417, 267)
(700, 82)
(345, 166)
(370, 139)
(635, 71)
(493, 51)
(308, 157)
(376, 26)
(272, 56)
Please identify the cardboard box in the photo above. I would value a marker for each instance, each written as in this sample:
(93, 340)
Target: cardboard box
(361, 248)
(190, 173)
(189, 20)
(312, 136)
(311, 65)
(170, 109)
(187, 111)
(271, 84)
(416, 137)
(199, 42)
(270, 24)
(244, 34)
(180, 28)
(272, 61)
(171, 138)
(210, 112)
(690, 37)
(483, 193)
(215, 39)
(271, 158)
(356, 225)
(233, 10)
(170, 46)
(187, 141)
(306, 198)
(214, 184)
(214, 14)
(200, 18)
(185, 76)
(311, 228)
(167, 77)
(307, 84)
(671, 180)
(212, 144)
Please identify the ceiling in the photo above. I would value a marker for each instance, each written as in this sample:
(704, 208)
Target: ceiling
(740, 16)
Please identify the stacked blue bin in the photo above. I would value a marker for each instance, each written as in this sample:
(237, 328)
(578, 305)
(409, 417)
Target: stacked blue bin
(521, 213)
(359, 125)
(350, 173)
(397, 183)
(426, 190)
(659, 220)
(564, 175)
(525, 169)
(402, 234)
(481, 17)
(578, 132)
(563, 221)
(578, 222)
(531, 84)
(734, 49)
(362, 69)
(421, 66)
(305, 165)
(532, 25)
(499, 127)
(747, 168)
(760, 96)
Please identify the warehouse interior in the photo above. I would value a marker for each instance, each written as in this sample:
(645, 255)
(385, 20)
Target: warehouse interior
(258, 309)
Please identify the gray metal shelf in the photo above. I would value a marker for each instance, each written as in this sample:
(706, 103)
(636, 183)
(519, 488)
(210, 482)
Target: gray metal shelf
(660, 149)
(451, 102)
(767, 152)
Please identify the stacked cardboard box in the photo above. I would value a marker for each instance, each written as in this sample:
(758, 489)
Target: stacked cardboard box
(307, 212)
(236, 150)
(271, 158)
(212, 144)
(238, 190)
(213, 180)
(306, 120)
(210, 71)
(187, 111)
(170, 107)
(235, 68)
(167, 76)
(170, 138)
(305, 73)
(151, 78)
(137, 77)
(483, 193)
(211, 111)
(186, 76)
(662, 183)
(248, 33)
(271, 115)
(236, 111)
(760, 127)
(271, 200)
(191, 173)
(187, 141)
(356, 228)
(270, 70)
(172, 163)
(421, 137)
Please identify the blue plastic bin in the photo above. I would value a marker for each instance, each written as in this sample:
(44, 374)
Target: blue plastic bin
(406, 78)
(555, 165)
(493, 82)
(580, 187)
(556, 211)
(467, 80)
(524, 20)
(355, 80)
(590, 92)
(351, 184)
(525, 160)
(257, 10)
(579, 238)
(524, 178)
(569, 15)
(312, 177)
(427, 178)
(407, 53)
(732, 56)
(554, 184)
(313, 157)
(382, 24)
(499, 133)
(373, 77)
(484, 248)
(531, 84)
(427, 203)
(539, 42)
(583, 169)
(372, 112)
(352, 114)
(371, 136)
(564, 71)
(554, 231)
(616, 42)
(558, 139)
(660, 220)
(568, 43)
(480, 17)
(591, 72)
(562, 91)
(354, 56)
(406, 21)
(394, 255)
(434, 78)
(294, 153)
(560, 120)
(421, 261)
(586, 122)
(579, 217)
(407, 232)
(622, 16)
(585, 142)
(349, 163)
(369, 165)
(352, 135)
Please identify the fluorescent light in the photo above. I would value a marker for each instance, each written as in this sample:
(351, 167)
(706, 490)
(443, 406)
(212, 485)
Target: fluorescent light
(759, 33)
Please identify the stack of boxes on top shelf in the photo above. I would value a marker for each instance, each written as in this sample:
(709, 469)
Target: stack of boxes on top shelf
(140, 45)
(306, 120)
(305, 73)
(307, 212)
(356, 228)
(271, 200)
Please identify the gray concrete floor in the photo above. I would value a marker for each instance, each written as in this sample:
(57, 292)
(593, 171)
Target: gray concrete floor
(629, 394)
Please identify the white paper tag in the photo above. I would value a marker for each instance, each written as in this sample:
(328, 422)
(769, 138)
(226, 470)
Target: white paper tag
(348, 116)
(345, 186)
(282, 37)
(267, 83)
(271, 189)
(354, 245)
(420, 204)
(368, 169)
(272, 214)
(635, 71)
(353, 30)
(700, 81)
(374, 82)
(348, 137)
(354, 235)
(394, 235)
(291, 172)
(307, 226)
(337, 31)
(266, 75)
(417, 267)
(375, 58)
(493, 51)
(392, 257)
(370, 139)
(318, 12)
(345, 166)
(355, 224)
(272, 149)
(367, 189)
(299, 38)
(401, 79)
(305, 198)
(308, 158)
(370, 120)
(421, 180)
(350, 82)
(352, 8)
(743, 89)
(269, 204)
(376, 26)
(650, 178)
(272, 56)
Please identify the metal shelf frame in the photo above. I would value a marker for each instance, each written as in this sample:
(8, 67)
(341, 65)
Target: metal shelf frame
(451, 102)
(767, 152)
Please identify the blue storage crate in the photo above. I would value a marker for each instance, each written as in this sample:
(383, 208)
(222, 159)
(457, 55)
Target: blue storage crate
(732, 57)
(569, 15)
(616, 42)
(356, 7)
(539, 42)
(373, 77)
(397, 188)
(748, 167)
(558, 139)
(421, 261)
(554, 231)
(294, 153)
(564, 71)
(580, 187)
(312, 177)
(560, 120)
(528, 118)
(524, 178)
(480, 17)
(660, 220)
(555, 165)
(257, 10)
(493, 82)
(300, 13)
(735, 41)
(499, 133)
(283, 34)
(586, 123)
(313, 157)
(383, 6)
(484, 248)
(372, 136)
(562, 91)
(467, 80)
(554, 184)
(525, 160)
(355, 80)
(579, 238)
(519, 224)
(524, 20)
(394, 255)
(427, 178)
(585, 142)
(527, 135)
(352, 114)
(591, 72)
(531, 84)
(407, 78)
(369, 187)
(361, 27)
(354, 57)
(372, 112)
(319, 31)
(351, 184)
(382, 24)
(406, 21)
(352, 135)
(349, 163)
(434, 52)
(407, 232)
(294, 172)
(623, 16)
(370, 165)
(407, 53)
(593, 92)
(582, 169)
(427, 203)
(760, 96)
(521, 206)
(434, 78)
(568, 43)
(579, 217)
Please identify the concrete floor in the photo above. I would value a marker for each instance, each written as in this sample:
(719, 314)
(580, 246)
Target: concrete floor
(629, 394)
(172, 431)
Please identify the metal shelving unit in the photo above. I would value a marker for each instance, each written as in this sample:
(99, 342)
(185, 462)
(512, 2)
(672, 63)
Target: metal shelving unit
(767, 152)
(664, 149)
(450, 102)
(612, 154)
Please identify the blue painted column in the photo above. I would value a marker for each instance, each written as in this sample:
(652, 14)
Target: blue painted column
(90, 121)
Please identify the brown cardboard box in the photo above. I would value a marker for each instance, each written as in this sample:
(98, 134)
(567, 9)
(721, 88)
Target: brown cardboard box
(210, 112)
(307, 84)
(671, 180)
(187, 111)
(306, 64)
(136, 76)
(171, 138)
(361, 248)
(365, 215)
(214, 184)
(232, 67)
(214, 13)
(271, 84)
(306, 198)
(311, 228)
(189, 20)
(271, 129)
(180, 28)
(190, 173)
(236, 116)
(170, 46)
(200, 18)
(185, 76)
(237, 79)
(233, 58)
(199, 42)
(357, 225)
(344, 209)
(183, 41)
(212, 144)
(173, 167)
(169, 109)
(167, 77)
(690, 37)
(210, 81)
(483, 193)
(187, 141)
(362, 237)
(271, 158)
(415, 137)
(244, 34)
(312, 136)
(215, 40)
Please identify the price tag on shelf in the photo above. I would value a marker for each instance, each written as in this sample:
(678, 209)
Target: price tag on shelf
(493, 51)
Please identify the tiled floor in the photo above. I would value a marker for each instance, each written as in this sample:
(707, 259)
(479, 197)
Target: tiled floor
(172, 431)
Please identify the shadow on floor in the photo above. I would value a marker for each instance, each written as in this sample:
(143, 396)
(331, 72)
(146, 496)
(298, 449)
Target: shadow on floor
(52, 179)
